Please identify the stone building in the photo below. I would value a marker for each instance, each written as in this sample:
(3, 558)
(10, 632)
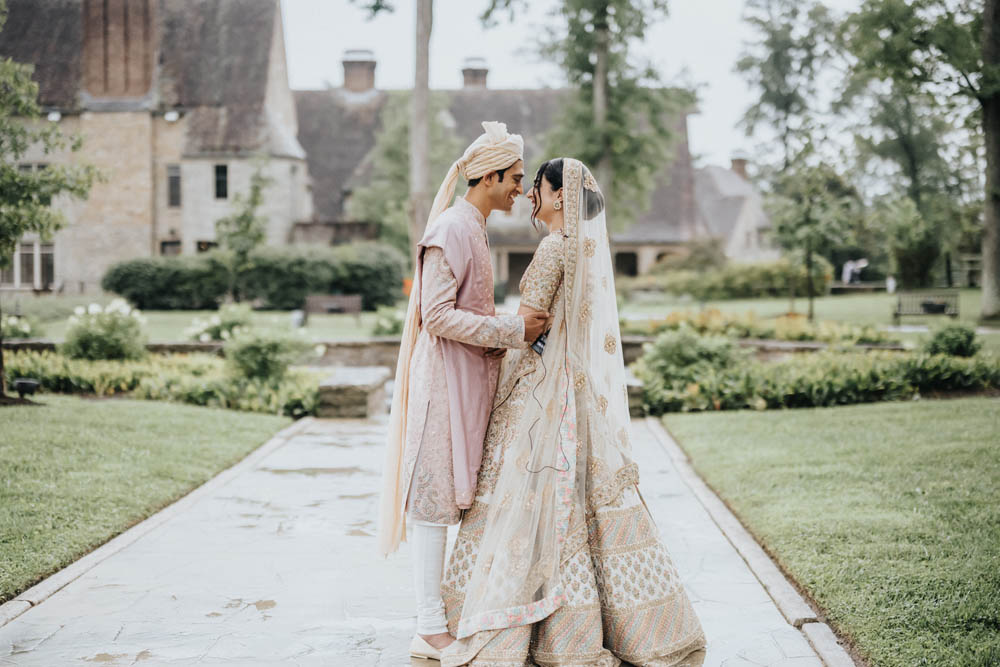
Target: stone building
(338, 128)
(178, 102)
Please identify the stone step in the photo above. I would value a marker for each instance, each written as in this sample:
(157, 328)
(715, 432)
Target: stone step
(353, 392)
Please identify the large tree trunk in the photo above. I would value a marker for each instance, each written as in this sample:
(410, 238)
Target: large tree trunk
(420, 200)
(602, 48)
(991, 130)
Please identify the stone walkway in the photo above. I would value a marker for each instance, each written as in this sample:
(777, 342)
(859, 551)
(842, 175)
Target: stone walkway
(273, 563)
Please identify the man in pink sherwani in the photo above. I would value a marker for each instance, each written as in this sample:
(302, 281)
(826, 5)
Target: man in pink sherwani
(447, 371)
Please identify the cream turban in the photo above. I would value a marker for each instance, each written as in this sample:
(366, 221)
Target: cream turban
(494, 150)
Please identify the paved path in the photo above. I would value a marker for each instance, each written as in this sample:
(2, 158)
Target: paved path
(273, 563)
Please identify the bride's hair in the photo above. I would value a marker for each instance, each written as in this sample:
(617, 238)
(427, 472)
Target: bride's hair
(552, 171)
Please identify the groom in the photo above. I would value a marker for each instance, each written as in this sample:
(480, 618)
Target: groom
(447, 371)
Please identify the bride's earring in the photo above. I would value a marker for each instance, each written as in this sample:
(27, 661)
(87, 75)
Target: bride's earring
(557, 204)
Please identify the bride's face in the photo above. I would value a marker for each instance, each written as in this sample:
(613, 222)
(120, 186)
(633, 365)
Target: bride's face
(544, 193)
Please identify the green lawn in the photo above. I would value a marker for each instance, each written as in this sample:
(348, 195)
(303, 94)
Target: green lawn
(886, 514)
(164, 326)
(856, 308)
(76, 472)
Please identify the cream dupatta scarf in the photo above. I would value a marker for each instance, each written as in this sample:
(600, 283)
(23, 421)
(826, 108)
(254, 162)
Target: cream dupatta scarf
(516, 578)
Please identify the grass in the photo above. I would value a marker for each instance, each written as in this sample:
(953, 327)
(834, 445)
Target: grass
(167, 326)
(885, 514)
(75, 472)
(873, 308)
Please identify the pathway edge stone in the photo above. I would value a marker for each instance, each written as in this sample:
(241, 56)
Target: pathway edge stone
(56, 581)
(827, 645)
(788, 600)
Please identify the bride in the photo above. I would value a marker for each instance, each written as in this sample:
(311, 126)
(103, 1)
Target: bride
(558, 561)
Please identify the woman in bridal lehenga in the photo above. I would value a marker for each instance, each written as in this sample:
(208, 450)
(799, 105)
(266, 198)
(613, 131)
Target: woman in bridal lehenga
(558, 561)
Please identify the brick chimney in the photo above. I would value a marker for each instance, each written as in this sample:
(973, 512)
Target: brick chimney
(474, 71)
(739, 165)
(118, 47)
(359, 70)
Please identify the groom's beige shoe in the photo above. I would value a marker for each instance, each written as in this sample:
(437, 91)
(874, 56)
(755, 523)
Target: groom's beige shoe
(419, 648)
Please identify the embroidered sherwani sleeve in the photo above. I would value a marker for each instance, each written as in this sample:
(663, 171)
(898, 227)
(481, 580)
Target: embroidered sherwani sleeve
(438, 292)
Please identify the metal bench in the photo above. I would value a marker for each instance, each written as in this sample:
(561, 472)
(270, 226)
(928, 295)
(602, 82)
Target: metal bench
(923, 303)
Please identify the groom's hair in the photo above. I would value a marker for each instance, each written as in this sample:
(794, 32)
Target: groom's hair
(473, 182)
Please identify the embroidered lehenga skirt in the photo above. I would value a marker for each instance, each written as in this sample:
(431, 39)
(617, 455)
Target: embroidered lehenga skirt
(625, 598)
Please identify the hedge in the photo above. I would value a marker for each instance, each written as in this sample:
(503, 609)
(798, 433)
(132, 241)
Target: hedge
(736, 281)
(195, 379)
(822, 379)
(280, 277)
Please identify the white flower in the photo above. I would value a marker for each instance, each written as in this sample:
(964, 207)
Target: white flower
(79, 310)
(204, 338)
(215, 319)
(225, 335)
(12, 319)
(319, 350)
(27, 328)
(73, 319)
(94, 309)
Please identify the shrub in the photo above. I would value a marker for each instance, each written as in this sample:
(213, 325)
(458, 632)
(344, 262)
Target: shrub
(682, 355)
(736, 281)
(822, 379)
(231, 320)
(747, 325)
(282, 277)
(114, 332)
(170, 283)
(956, 340)
(388, 322)
(14, 326)
(198, 379)
(264, 357)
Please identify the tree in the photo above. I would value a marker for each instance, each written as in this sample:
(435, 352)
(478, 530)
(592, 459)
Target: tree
(950, 49)
(26, 196)
(812, 207)
(619, 121)
(783, 67)
(384, 197)
(419, 205)
(244, 230)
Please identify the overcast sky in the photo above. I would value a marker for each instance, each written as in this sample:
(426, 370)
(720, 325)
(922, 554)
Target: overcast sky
(698, 44)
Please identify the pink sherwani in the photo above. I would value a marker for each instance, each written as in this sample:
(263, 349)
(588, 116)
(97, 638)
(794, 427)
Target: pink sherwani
(452, 382)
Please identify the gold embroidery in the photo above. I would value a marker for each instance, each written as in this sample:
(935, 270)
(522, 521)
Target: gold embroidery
(590, 182)
(604, 282)
(588, 247)
(605, 493)
(579, 380)
(610, 344)
(602, 404)
(585, 311)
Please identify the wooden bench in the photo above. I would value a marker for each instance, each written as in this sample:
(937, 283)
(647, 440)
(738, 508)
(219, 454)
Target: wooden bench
(923, 303)
(333, 303)
(855, 288)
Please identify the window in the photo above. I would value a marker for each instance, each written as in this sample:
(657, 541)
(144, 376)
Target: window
(173, 185)
(48, 262)
(221, 181)
(170, 247)
(205, 246)
(32, 267)
(27, 264)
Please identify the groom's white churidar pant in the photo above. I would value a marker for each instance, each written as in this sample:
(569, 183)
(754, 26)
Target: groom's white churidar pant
(428, 548)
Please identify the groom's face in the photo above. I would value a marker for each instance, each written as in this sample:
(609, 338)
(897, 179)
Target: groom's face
(503, 193)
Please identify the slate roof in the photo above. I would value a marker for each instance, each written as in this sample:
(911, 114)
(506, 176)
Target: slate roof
(49, 35)
(337, 128)
(213, 64)
(722, 196)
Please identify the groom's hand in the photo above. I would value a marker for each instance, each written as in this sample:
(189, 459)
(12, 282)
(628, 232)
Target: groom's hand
(534, 324)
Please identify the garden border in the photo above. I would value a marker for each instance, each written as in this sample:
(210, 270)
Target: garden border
(52, 584)
(787, 598)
